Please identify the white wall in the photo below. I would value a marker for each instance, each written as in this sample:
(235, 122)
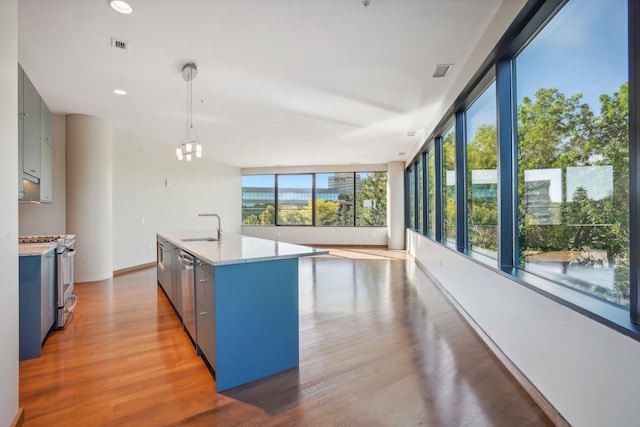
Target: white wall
(321, 235)
(49, 218)
(153, 191)
(395, 205)
(587, 371)
(9, 203)
(89, 163)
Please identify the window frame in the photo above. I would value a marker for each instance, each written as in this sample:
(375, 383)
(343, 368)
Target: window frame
(313, 199)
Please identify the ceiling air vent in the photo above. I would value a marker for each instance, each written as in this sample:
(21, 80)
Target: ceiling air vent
(119, 44)
(440, 70)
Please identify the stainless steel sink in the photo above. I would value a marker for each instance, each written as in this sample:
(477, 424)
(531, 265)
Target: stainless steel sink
(200, 239)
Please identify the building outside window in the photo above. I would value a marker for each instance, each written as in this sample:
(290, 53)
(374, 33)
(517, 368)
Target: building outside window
(573, 149)
(482, 173)
(295, 193)
(341, 199)
(334, 198)
(258, 200)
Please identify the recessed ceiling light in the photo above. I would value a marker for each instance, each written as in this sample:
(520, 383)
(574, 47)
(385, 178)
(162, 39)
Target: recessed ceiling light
(121, 6)
(120, 92)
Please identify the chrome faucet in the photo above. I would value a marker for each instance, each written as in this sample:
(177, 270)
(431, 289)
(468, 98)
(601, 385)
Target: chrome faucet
(219, 226)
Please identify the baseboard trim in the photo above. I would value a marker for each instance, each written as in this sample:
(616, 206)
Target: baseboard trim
(546, 406)
(18, 421)
(122, 271)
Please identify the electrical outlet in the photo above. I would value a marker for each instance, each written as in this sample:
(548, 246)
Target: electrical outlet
(142, 221)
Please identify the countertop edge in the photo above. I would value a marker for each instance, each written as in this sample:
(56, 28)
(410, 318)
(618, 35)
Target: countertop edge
(194, 250)
(29, 249)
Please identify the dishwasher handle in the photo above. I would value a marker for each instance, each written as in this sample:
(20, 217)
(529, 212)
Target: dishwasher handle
(186, 259)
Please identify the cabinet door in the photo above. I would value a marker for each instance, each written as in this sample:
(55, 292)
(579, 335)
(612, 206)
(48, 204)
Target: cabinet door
(31, 129)
(46, 155)
(20, 132)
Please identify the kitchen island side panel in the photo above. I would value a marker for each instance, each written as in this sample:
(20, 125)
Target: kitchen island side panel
(256, 332)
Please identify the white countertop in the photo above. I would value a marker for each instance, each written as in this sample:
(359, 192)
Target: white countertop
(35, 249)
(236, 249)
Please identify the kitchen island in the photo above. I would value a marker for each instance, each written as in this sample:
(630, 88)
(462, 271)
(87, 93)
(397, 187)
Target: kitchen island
(245, 303)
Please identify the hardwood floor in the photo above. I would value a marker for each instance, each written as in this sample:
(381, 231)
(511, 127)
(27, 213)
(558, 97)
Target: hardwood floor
(379, 346)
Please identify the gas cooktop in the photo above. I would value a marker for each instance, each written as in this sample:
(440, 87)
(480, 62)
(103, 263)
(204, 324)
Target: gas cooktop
(64, 238)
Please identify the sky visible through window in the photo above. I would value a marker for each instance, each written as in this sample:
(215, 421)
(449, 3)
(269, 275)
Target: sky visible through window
(560, 54)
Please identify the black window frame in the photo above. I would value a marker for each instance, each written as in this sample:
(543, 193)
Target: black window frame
(499, 63)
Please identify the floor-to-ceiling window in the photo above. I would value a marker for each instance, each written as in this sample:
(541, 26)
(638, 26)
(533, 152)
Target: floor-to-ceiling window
(482, 174)
(334, 198)
(573, 149)
(547, 155)
(258, 199)
(295, 193)
(431, 194)
(420, 194)
(371, 199)
(411, 182)
(449, 185)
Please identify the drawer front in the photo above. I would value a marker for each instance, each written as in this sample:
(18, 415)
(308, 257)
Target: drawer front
(205, 331)
(204, 284)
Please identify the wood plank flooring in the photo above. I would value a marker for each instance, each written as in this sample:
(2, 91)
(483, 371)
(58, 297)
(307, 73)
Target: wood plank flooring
(379, 346)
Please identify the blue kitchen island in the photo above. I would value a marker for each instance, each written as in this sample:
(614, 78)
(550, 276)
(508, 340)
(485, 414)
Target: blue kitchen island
(245, 302)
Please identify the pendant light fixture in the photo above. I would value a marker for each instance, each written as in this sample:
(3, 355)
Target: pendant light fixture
(190, 144)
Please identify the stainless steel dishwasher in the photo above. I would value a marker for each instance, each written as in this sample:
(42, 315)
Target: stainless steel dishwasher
(187, 286)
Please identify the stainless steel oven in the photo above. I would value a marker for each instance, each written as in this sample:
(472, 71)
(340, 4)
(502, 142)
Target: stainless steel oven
(65, 283)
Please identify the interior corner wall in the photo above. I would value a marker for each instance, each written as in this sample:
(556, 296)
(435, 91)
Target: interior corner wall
(89, 195)
(587, 371)
(154, 191)
(395, 204)
(9, 201)
(49, 218)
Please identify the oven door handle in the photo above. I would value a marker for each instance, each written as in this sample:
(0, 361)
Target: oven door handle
(75, 301)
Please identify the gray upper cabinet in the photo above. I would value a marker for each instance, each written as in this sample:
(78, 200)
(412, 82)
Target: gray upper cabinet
(35, 144)
(20, 131)
(31, 129)
(46, 155)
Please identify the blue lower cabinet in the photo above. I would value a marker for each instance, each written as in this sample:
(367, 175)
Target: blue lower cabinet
(30, 307)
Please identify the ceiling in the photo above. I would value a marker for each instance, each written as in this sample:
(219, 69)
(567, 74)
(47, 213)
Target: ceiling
(280, 82)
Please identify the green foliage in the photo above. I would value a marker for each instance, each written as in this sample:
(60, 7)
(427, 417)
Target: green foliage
(373, 191)
(557, 132)
(292, 215)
